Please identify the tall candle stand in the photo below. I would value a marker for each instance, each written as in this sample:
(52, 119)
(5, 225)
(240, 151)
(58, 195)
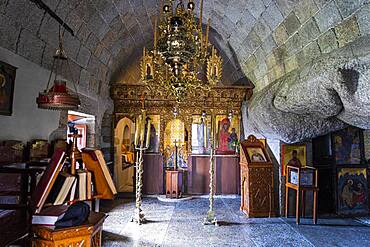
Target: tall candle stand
(141, 144)
(210, 219)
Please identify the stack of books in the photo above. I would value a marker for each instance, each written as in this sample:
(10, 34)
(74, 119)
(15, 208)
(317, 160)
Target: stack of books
(57, 189)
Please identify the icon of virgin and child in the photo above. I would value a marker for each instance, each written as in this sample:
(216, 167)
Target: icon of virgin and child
(227, 139)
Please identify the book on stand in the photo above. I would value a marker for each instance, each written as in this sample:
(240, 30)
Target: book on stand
(103, 184)
(60, 189)
(47, 181)
(49, 215)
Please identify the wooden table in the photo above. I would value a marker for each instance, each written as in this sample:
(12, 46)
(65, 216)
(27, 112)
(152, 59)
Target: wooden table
(173, 184)
(87, 234)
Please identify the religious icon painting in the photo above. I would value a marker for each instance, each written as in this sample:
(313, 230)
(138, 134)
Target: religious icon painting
(352, 191)
(263, 140)
(346, 146)
(200, 135)
(228, 134)
(175, 151)
(293, 155)
(154, 143)
(367, 145)
(7, 80)
(256, 154)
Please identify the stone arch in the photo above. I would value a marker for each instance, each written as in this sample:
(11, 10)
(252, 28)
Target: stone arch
(106, 136)
(122, 178)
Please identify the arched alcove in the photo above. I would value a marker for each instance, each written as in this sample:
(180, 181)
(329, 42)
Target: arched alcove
(123, 136)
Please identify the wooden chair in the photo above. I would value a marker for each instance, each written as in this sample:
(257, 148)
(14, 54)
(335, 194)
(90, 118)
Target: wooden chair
(301, 180)
(28, 173)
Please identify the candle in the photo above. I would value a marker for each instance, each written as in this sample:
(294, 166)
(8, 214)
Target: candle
(212, 129)
(137, 131)
(148, 134)
(142, 128)
(207, 35)
(201, 17)
(205, 133)
(155, 35)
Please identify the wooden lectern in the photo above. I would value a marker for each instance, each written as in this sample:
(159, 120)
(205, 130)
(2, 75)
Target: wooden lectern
(301, 180)
(257, 179)
(174, 184)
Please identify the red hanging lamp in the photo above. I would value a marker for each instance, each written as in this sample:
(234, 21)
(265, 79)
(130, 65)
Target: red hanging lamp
(59, 97)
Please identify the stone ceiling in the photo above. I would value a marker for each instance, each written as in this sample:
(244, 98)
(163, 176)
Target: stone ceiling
(110, 34)
(263, 40)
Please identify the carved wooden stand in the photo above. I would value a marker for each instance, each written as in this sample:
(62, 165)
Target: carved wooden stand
(173, 184)
(256, 180)
(88, 234)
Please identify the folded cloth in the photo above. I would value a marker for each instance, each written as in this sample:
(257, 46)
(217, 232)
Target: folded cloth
(75, 215)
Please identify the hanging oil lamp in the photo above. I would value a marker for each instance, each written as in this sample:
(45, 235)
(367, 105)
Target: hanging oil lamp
(59, 97)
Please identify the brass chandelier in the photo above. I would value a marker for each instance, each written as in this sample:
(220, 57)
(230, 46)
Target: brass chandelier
(182, 60)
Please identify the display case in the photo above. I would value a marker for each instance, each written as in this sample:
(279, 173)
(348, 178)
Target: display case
(257, 179)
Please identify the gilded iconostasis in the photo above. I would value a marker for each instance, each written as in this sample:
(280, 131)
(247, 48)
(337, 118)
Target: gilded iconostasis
(178, 129)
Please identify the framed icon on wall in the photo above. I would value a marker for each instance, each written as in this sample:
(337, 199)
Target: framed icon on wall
(293, 155)
(352, 191)
(228, 134)
(7, 80)
(347, 146)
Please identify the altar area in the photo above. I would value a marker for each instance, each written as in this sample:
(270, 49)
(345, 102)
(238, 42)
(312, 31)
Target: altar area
(180, 138)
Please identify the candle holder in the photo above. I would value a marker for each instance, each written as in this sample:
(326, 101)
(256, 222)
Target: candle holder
(210, 219)
(141, 144)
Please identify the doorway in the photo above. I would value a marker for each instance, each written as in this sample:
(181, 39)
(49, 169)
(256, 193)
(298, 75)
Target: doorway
(85, 124)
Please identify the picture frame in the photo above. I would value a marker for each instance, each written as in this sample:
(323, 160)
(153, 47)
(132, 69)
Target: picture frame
(306, 177)
(155, 128)
(366, 134)
(228, 134)
(352, 191)
(347, 146)
(256, 154)
(200, 135)
(288, 151)
(7, 84)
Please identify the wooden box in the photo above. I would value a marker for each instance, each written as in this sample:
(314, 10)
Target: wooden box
(256, 179)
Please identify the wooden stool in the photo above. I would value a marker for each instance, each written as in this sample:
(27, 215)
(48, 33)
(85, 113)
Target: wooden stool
(301, 180)
(173, 184)
(87, 234)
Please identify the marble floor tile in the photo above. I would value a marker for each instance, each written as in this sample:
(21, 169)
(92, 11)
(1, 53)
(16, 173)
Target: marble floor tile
(180, 224)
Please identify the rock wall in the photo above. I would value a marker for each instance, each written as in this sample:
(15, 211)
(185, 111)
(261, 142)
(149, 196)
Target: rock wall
(304, 31)
(324, 95)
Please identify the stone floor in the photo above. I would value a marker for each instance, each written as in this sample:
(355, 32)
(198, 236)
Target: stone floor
(180, 224)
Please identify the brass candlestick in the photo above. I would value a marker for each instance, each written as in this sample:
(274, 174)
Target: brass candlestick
(210, 219)
(141, 144)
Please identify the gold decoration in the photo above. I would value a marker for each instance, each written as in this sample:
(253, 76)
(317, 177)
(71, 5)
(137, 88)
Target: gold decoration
(147, 67)
(181, 51)
(219, 99)
(214, 68)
